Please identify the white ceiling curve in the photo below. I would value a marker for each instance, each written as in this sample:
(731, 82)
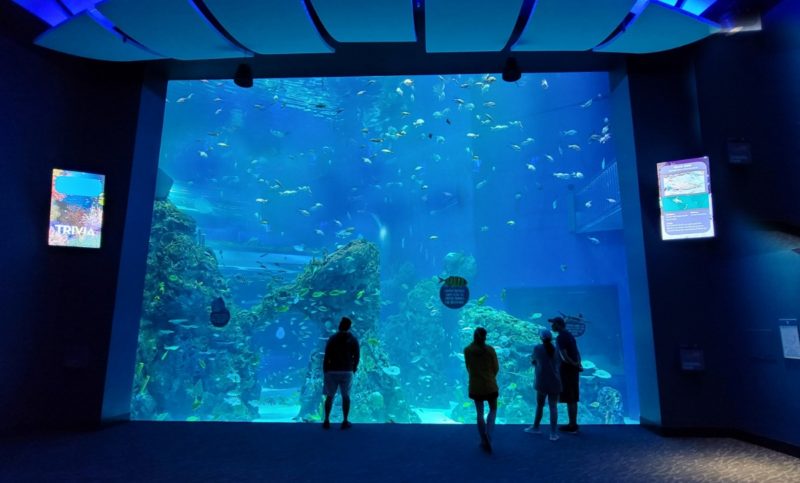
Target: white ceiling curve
(136, 30)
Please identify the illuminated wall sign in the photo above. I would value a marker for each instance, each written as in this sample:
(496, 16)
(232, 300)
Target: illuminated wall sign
(685, 199)
(76, 209)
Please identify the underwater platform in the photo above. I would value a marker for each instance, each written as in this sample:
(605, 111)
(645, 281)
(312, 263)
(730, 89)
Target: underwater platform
(275, 452)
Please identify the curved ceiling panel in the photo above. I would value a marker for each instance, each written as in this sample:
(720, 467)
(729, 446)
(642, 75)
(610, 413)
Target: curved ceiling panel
(659, 28)
(571, 24)
(367, 20)
(82, 36)
(270, 27)
(173, 28)
(469, 25)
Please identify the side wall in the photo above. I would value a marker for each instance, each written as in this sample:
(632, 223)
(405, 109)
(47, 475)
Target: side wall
(57, 302)
(725, 295)
(749, 88)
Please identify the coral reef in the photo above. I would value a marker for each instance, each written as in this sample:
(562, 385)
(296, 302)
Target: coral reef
(187, 369)
(344, 283)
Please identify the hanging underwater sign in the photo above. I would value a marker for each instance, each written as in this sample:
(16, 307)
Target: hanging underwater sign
(220, 315)
(575, 325)
(454, 292)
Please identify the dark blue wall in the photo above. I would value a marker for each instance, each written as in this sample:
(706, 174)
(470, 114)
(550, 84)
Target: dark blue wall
(726, 295)
(749, 88)
(57, 303)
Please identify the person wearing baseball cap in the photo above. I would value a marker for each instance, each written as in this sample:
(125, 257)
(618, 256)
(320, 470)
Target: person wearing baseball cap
(570, 372)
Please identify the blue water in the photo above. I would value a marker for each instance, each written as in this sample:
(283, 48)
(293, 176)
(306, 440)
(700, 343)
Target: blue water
(517, 180)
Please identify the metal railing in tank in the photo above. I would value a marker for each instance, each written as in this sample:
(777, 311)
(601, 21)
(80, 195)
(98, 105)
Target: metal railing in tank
(598, 206)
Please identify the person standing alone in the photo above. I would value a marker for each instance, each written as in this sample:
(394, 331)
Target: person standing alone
(342, 355)
(482, 366)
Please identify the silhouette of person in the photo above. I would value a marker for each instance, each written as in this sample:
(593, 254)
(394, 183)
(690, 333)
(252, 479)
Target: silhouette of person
(570, 372)
(482, 366)
(546, 364)
(342, 354)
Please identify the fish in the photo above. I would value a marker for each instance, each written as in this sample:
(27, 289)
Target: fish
(489, 104)
(317, 294)
(481, 300)
(361, 93)
(433, 237)
(531, 167)
(555, 204)
(587, 103)
(399, 91)
(473, 135)
(569, 132)
(611, 200)
(481, 184)
(484, 229)
(588, 204)
(499, 127)
(594, 240)
(298, 248)
(544, 84)
(376, 140)
(527, 141)
(516, 147)
(280, 333)
(203, 154)
(337, 292)
(574, 147)
(408, 82)
(511, 223)
(419, 122)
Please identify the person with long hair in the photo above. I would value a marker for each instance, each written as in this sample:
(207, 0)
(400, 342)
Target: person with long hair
(482, 367)
(546, 365)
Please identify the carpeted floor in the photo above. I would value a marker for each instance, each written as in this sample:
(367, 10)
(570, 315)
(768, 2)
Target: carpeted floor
(187, 452)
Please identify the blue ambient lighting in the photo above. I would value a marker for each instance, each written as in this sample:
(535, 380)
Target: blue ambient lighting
(697, 7)
(78, 6)
(48, 11)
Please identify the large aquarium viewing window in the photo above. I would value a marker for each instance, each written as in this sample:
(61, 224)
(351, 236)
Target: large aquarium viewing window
(299, 201)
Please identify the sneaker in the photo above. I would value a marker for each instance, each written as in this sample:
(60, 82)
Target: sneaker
(553, 437)
(568, 428)
(532, 430)
(326, 425)
(346, 424)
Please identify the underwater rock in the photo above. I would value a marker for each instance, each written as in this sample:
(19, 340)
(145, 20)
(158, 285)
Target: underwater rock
(182, 361)
(346, 282)
(610, 405)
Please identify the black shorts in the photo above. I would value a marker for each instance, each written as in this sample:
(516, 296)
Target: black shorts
(570, 391)
(484, 397)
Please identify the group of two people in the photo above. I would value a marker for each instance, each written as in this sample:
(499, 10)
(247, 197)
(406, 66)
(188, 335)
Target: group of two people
(557, 367)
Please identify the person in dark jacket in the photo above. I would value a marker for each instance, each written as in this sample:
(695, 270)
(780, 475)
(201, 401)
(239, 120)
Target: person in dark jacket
(482, 367)
(548, 383)
(342, 355)
(570, 372)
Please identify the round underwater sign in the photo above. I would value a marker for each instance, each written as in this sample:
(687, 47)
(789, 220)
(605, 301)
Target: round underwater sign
(454, 293)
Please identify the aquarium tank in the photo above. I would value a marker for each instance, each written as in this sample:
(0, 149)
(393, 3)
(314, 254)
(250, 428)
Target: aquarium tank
(281, 208)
